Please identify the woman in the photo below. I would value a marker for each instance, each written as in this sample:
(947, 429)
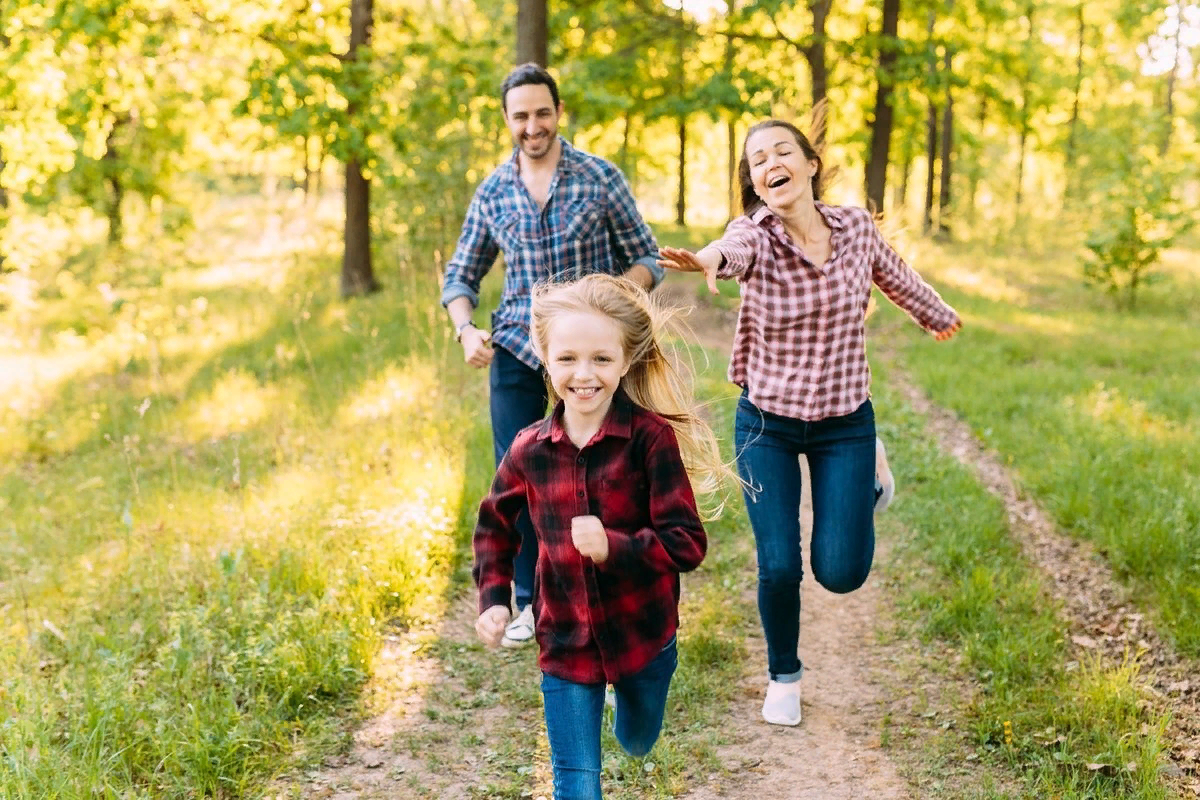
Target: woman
(805, 271)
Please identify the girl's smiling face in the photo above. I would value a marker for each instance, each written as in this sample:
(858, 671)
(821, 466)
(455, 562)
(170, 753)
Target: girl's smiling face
(585, 359)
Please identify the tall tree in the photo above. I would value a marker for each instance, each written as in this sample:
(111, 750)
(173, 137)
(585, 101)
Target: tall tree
(815, 55)
(947, 135)
(881, 125)
(358, 276)
(532, 32)
(1172, 76)
(931, 129)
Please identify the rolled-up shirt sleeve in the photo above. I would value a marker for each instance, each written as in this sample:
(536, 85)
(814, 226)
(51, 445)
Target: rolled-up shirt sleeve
(739, 247)
(473, 256)
(631, 235)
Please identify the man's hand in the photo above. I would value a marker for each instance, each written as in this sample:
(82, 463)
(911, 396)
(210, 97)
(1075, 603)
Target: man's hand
(490, 625)
(942, 336)
(706, 261)
(589, 538)
(477, 347)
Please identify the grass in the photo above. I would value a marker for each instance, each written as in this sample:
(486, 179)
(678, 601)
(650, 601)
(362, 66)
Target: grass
(209, 520)
(1096, 410)
(225, 485)
(1065, 729)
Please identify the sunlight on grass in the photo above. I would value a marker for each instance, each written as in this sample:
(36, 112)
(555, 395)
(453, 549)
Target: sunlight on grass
(980, 282)
(396, 392)
(1109, 405)
(236, 403)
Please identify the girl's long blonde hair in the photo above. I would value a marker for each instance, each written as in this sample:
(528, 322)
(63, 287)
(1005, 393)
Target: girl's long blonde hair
(656, 380)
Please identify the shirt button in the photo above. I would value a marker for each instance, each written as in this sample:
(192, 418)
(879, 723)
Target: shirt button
(581, 493)
(579, 460)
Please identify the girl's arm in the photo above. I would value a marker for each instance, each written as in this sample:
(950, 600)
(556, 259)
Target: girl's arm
(674, 541)
(904, 287)
(728, 257)
(496, 538)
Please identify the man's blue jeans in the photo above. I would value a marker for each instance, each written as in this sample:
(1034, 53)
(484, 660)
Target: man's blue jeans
(841, 462)
(518, 399)
(574, 712)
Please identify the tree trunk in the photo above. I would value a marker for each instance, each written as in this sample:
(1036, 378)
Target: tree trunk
(947, 149)
(1024, 118)
(532, 32)
(1172, 76)
(976, 170)
(931, 138)
(881, 126)
(817, 66)
(900, 197)
(681, 200)
(1074, 126)
(358, 277)
(111, 168)
(623, 155)
(735, 189)
(931, 151)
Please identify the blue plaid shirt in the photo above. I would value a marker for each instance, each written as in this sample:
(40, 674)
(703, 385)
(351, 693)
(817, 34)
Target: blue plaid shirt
(590, 224)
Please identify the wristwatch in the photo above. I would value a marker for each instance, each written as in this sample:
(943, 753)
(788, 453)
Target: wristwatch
(458, 332)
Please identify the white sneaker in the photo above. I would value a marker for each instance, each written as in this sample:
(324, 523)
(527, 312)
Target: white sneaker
(782, 706)
(885, 483)
(520, 630)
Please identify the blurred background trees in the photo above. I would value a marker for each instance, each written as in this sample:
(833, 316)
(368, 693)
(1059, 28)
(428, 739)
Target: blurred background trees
(993, 119)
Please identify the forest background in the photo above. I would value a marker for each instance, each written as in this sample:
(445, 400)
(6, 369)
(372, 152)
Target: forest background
(239, 445)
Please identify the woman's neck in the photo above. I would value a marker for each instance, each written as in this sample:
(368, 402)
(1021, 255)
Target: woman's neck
(803, 222)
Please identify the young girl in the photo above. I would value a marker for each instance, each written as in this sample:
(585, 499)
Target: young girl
(799, 353)
(605, 479)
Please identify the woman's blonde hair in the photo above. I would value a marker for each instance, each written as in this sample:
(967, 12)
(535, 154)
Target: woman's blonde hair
(656, 380)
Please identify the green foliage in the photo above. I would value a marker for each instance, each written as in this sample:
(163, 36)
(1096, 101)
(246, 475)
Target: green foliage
(1139, 216)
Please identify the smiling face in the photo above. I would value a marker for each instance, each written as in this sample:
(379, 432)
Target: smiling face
(779, 172)
(586, 360)
(532, 119)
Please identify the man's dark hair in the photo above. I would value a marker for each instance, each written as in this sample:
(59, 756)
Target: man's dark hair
(525, 75)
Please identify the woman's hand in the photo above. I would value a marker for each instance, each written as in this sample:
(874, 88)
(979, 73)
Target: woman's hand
(942, 336)
(683, 260)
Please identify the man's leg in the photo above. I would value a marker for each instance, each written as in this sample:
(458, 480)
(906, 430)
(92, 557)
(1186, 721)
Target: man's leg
(518, 399)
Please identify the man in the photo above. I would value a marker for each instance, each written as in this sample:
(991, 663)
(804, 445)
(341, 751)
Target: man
(556, 213)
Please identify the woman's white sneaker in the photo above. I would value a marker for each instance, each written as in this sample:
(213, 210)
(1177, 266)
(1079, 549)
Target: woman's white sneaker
(885, 483)
(520, 630)
(782, 705)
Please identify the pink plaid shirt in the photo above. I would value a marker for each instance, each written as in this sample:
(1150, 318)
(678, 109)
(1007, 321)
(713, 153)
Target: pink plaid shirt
(800, 343)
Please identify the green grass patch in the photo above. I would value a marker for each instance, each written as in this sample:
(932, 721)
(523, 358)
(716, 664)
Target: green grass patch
(209, 518)
(1097, 410)
(1068, 729)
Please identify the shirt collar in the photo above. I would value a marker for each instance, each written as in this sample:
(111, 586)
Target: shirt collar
(618, 423)
(834, 216)
(568, 159)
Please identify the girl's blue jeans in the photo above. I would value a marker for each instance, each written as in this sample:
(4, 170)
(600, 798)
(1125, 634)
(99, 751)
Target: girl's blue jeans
(841, 462)
(574, 712)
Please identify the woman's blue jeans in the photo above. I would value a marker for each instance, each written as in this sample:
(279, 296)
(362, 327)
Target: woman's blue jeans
(841, 463)
(574, 712)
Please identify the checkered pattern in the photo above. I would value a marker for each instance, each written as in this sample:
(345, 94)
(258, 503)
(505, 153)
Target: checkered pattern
(800, 342)
(590, 224)
(603, 622)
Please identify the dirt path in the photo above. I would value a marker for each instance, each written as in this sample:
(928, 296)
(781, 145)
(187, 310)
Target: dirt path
(1101, 618)
(440, 723)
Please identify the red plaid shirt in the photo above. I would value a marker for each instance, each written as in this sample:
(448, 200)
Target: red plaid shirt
(800, 343)
(594, 622)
